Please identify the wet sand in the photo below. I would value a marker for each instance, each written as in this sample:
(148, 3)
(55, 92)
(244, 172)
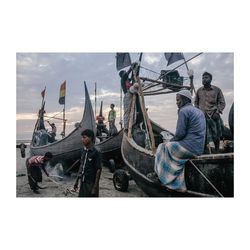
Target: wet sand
(59, 187)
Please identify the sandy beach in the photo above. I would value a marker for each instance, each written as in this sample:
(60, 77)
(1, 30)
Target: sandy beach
(57, 187)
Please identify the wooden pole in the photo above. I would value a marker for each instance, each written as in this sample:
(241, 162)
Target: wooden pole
(173, 85)
(95, 99)
(121, 107)
(131, 116)
(64, 122)
(190, 77)
(148, 126)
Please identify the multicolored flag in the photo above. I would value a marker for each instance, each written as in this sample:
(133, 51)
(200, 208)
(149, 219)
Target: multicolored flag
(173, 57)
(62, 93)
(122, 60)
(43, 93)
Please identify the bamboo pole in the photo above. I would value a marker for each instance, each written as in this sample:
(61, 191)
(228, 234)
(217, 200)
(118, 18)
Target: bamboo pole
(131, 116)
(158, 93)
(163, 83)
(145, 115)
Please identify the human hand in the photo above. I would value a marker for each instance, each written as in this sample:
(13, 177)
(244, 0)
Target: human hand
(216, 115)
(136, 85)
(94, 191)
(76, 186)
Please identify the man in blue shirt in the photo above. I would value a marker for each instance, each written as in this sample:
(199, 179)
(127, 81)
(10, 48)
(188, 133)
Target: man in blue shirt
(188, 141)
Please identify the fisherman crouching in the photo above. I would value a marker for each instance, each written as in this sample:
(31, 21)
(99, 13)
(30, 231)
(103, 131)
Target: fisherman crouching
(34, 165)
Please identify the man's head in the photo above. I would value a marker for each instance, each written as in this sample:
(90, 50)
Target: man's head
(112, 105)
(206, 79)
(183, 97)
(48, 156)
(52, 124)
(121, 73)
(87, 136)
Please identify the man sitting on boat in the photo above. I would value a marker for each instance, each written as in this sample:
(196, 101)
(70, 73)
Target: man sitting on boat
(188, 141)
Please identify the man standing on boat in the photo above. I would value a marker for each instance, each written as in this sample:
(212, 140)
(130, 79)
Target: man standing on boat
(111, 120)
(188, 141)
(34, 165)
(52, 133)
(210, 100)
(90, 168)
(126, 85)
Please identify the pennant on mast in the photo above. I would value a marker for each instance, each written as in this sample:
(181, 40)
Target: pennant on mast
(62, 93)
(173, 57)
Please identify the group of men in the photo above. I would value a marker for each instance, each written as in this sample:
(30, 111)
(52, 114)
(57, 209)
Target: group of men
(101, 127)
(196, 127)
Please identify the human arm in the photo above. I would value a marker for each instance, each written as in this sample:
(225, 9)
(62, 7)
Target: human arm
(221, 104)
(94, 190)
(196, 100)
(181, 127)
(44, 170)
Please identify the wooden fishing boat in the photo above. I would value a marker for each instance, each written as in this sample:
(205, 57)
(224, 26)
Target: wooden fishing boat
(111, 151)
(68, 150)
(108, 145)
(205, 176)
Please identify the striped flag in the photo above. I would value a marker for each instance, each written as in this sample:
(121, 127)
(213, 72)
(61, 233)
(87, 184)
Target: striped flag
(62, 93)
(43, 93)
(173, 57)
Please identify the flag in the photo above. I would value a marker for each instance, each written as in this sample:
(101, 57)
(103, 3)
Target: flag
(122, 60)
(62, 93)
(43, 93)
(173, 57)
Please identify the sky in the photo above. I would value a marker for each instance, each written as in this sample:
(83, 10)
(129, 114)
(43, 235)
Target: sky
(35, 71)
(36, 38)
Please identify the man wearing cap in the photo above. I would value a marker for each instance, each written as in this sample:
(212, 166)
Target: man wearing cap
(90, 168)
(210, 100)
(188, 141)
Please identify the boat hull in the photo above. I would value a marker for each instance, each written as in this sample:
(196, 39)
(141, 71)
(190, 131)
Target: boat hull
(111, 149)
(219, 170)
(68, 150)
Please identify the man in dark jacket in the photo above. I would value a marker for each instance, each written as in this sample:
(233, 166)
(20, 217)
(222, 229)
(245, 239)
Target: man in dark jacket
(90, 168)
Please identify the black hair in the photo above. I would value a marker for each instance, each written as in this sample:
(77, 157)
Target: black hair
(112, 104)
(121, 73)
(89, 133)
(208, 74)
(48, 155)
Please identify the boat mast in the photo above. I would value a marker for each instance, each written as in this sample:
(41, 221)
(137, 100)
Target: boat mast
(121, 107)
(64, 122)
(95, 99)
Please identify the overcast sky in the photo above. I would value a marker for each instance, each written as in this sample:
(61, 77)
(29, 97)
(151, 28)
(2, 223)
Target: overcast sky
(37, 70)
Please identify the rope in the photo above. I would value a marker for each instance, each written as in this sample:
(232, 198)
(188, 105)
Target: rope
(209, 182)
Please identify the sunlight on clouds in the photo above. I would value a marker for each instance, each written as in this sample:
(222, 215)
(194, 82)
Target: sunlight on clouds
(151, 59)
(26, 116)
(24, 62)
